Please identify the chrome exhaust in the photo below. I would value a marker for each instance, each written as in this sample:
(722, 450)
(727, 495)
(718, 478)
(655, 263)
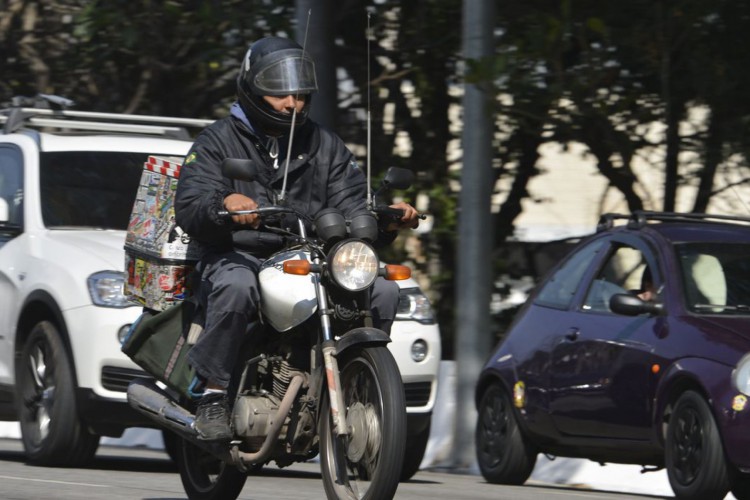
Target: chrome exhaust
(151, 400)
(154, 402)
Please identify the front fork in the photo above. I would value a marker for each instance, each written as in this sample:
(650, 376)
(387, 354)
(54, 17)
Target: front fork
(333, 379)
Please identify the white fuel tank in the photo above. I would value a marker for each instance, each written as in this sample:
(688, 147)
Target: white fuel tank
(286, 299)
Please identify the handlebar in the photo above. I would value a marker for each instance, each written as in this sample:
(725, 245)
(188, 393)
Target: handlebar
(383, 210)
(262, 211)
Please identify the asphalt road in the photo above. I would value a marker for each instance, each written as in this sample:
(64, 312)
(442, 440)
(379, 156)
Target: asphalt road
(144, 474)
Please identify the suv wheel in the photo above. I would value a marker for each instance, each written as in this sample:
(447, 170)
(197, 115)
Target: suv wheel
(416, 445)
(51, 430)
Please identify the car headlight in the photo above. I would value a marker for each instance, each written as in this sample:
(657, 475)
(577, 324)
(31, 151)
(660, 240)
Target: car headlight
(741, 375)
(414, 305)
(353, 265)
(106, 289)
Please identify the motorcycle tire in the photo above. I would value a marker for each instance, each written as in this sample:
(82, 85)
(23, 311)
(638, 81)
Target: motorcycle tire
(205, 477)
(370, 457)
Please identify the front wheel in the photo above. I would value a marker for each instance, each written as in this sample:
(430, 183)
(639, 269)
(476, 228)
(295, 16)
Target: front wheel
(694, 454)
(416, 444)
(503, 453)
(51, 430)
(205, 477)
(365, 463)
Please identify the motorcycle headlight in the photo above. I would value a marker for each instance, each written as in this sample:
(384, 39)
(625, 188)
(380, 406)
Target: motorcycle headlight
(353, 265)
(414, 305)
(741, 375)
(106, 289)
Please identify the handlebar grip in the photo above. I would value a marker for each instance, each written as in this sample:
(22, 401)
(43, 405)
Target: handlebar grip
(393, 213)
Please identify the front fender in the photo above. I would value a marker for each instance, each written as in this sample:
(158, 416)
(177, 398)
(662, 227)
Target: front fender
(713, 381)
(360, 336)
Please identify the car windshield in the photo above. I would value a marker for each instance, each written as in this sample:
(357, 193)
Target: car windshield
(91, 189)
(716, 277)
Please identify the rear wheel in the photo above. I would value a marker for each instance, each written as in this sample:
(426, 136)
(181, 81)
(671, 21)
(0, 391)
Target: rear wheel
(694, 455)
(365, 463)
(503, 454)
(205, 477)
(51, 430)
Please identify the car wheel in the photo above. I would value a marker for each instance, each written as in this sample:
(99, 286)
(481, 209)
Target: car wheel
(740, 485)
(51, 430)
(503, 453)
(694, 454)
(416, 444)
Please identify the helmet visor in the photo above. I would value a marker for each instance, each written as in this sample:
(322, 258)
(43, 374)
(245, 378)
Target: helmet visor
(291, 75)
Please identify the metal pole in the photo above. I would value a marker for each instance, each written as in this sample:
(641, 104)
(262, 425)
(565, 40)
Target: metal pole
(473, 276)
(320, 47)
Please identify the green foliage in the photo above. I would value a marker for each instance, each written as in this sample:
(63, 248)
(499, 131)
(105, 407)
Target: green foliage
(566, 71)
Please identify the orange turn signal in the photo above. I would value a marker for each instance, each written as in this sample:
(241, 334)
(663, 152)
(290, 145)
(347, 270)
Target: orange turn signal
(299, 267)
(394, 272)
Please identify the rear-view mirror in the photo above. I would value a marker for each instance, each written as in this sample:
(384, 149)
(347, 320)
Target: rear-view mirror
(240, 169)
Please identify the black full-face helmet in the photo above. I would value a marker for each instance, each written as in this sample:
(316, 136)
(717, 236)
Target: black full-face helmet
(275, 67)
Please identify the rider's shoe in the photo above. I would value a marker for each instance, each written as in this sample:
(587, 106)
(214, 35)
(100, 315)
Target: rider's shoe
(212, 418)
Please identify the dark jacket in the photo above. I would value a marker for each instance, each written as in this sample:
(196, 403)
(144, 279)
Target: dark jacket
(322, 173)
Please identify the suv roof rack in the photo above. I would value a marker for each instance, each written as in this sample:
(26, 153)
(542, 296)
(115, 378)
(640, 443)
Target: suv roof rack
(47, 112)
(640, 218)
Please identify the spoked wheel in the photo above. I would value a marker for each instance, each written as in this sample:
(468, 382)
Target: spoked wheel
(51, 430)
(366, 462)
(694, 454)
(205, 477)
(503, 454)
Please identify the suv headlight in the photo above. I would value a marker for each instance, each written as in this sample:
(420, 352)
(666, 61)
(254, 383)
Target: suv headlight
(353, 265)
(741, 375)
(414, 305)
(106, 289)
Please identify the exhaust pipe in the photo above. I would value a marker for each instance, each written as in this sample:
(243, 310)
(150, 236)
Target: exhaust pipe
(148, 398)
(151, 400)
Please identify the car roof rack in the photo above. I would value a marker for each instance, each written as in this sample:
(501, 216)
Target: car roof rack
(46, 111)
(640, 218)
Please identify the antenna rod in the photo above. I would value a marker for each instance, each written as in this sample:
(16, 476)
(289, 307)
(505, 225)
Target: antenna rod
(369, 119)
(282, 196)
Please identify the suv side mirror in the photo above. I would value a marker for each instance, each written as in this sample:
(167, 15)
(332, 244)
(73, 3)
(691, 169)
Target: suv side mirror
(630, 305)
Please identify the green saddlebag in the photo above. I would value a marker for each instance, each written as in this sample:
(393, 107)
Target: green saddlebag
(158, 343)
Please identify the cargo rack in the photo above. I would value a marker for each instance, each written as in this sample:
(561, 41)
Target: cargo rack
(640, 218)
(49, 112)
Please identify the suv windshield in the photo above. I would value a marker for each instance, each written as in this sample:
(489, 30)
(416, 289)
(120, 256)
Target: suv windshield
(716, 277)
(89, 188)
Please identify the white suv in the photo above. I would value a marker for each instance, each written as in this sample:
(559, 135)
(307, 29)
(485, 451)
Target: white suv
(67, 184)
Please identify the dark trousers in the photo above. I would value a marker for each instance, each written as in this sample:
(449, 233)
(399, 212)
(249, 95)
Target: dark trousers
(230, 299)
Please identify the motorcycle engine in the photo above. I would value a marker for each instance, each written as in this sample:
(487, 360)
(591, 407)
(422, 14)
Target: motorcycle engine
(253, 415)
(256, 409)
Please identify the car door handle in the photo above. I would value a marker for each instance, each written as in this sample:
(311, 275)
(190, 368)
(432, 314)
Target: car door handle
(572, 334)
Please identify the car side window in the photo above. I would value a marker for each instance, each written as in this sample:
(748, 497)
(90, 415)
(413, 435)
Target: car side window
(559, 290)
(11, 184)
(622, 272)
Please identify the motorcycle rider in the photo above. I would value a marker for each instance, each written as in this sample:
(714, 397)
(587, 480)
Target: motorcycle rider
(276, 79)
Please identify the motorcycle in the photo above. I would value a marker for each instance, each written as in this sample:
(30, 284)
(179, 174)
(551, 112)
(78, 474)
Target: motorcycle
(317, 379)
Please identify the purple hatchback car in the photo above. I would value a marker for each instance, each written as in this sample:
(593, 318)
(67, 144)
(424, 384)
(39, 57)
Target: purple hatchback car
(634, 349)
